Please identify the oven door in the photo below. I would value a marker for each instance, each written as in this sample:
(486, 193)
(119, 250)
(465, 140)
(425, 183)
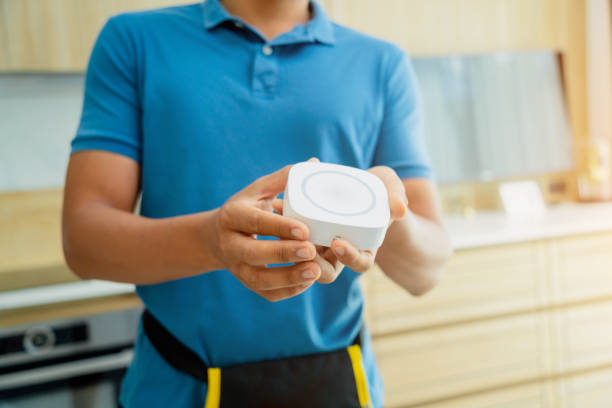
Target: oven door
(91, 380)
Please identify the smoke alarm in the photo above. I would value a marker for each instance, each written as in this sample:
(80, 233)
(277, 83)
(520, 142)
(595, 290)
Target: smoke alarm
(337, 201)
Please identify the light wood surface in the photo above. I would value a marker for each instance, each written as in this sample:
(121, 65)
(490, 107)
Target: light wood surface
(581, 268)
(477, 283)
(590, 390)
(30, 242)
(432, 364)
(584, 337)
(57, 35)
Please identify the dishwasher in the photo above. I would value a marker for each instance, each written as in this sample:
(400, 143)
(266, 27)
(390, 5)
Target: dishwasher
(68, 363)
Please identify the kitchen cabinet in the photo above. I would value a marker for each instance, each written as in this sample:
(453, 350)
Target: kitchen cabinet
(30, 240)
(531, 317)
(56, 35)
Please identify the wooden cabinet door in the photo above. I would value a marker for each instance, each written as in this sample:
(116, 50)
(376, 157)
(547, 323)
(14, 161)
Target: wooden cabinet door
(429, 365)
(40, 35)
(57, 35)
(583, 268)
(477, 283)
(591, 390)
(583, 337)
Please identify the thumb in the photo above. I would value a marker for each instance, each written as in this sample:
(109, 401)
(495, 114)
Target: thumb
(270, 185)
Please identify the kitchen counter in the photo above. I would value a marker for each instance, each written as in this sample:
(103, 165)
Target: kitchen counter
(496, 228)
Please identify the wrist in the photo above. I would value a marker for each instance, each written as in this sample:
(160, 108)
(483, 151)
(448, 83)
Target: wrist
(209, 240)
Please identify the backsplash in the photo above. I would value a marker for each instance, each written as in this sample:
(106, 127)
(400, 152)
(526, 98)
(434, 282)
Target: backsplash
(495, 116)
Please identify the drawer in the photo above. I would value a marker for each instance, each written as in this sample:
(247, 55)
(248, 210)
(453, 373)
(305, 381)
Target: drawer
(584, 268)
(534, 395)
(429, 365)
(592, 390)
(583, 335)
(476, 283)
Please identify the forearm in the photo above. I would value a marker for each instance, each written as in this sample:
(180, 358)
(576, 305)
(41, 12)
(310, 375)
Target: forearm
(102, 242)
(413, 253)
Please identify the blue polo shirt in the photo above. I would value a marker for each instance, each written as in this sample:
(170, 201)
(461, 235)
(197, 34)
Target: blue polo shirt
(206, 105)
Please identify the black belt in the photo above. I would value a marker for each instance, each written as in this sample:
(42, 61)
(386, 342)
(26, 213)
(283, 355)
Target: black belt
(332, 379)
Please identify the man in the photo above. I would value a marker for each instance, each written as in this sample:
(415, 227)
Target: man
(198, 107)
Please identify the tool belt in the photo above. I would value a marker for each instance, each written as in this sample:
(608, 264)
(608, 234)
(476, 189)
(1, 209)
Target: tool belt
(332, 379)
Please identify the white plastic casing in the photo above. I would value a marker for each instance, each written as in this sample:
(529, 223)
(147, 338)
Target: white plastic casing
(337, 201)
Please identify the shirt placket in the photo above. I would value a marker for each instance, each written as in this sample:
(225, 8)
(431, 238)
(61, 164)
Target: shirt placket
(265, 71)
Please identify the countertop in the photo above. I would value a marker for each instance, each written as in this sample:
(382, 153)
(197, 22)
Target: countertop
(496, 228)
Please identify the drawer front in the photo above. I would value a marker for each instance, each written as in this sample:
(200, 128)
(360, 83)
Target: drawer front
(592, 390)
(584, 337)
(584, 268)
(432, 364)
(534, 395)
(483, 282)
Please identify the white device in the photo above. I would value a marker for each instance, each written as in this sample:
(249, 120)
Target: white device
(337, 201)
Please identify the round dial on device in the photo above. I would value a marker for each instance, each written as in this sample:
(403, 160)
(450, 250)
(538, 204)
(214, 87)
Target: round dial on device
(338, 193)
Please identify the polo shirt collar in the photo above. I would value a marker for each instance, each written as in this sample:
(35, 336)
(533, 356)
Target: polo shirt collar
(319, 27)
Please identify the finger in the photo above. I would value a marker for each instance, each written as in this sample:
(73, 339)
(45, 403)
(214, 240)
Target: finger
(240, 216)
(260, 278)
(398, 203)
(330, 266)
(263, 252)
(357, 260)
(314, 160)
(282, 294)
(277, 205)
(269, 186)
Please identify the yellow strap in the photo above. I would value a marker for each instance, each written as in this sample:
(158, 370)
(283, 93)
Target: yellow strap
(360, 378)
(213, 395)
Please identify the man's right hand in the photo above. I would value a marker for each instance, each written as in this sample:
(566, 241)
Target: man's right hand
(249, 213)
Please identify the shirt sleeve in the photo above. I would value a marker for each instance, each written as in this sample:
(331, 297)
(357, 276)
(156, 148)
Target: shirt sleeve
(110, 119)
(400, 143)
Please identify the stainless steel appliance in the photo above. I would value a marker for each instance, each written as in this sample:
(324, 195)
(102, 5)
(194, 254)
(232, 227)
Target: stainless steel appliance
(71, 363)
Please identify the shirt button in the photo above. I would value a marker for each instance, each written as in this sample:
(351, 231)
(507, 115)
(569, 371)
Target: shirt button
(266, 49)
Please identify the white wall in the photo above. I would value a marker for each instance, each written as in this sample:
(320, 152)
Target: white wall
(39, 115)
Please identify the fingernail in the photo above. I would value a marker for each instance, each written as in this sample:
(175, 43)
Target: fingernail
(339, 251)
(304, 253)
(297, 233)
(308, 274)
